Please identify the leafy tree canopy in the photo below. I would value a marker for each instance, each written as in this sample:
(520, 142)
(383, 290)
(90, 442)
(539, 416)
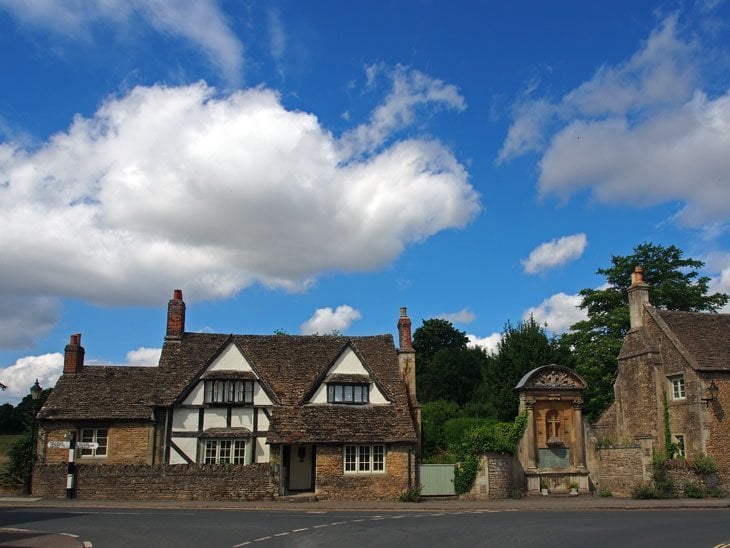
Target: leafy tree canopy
(434, 335)
(594, 343)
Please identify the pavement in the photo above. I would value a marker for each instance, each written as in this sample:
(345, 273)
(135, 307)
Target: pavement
(40, 539)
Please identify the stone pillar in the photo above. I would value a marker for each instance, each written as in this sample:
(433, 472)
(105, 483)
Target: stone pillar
(579, 460)
(531, 444)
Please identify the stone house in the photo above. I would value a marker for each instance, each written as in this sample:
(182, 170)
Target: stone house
(673, 371)
(334, 416)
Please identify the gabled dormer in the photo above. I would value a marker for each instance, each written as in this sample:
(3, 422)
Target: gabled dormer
(229, 380)
(347, 381)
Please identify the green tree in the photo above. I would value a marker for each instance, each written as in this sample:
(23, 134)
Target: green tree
(452, 374)
(595, 343)
(523, 347)
(434, 335)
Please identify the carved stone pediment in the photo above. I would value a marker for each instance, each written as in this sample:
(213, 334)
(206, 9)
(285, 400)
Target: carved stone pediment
(551, 377)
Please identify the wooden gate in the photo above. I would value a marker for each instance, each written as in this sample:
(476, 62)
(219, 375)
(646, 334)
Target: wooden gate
(437, 480)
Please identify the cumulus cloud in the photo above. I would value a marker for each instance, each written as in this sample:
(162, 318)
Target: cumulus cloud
(201, 23)
(25, 319)
(211, 193)
(640, 132)
(559, 312)
(490, 343)
(462, 316)
(411, 90)
(144, 357)
(555, 253)
(326, 320)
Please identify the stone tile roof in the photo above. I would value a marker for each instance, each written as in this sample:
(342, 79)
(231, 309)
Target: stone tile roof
(102, 393)
(288, 366)
(704, 336)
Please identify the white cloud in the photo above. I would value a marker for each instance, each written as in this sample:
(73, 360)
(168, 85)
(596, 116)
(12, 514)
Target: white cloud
(639, 133)
(144, 357)
(720, 263)
(326, 320)
(277, 35)
(201, 22)
(462, 316)
(559, 312)
(25, 319)
(555, 253)
(20, 376)
(490, 343)
(181, 187)
(411, 89)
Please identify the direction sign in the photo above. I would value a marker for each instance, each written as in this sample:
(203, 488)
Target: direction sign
(87, 445)
(59, 444)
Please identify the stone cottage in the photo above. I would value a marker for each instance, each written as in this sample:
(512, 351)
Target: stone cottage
(678, 362)
(333, 416)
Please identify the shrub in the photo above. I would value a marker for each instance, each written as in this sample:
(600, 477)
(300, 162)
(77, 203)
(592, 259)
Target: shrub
(605, 492)
(663, 486)
(412, 494)
(693, 491)
(516, 493)
(716, 492)
(465, 473)
(605, 442)
(704, 465)
(454, 430)
(644, 490)
(16, 466)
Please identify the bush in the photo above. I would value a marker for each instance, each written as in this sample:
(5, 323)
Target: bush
(455, 430)
(663, 486)
(605, 492)
(516, 493)
(704, 465)
(18, 457)
(411, 495)
(693, 491)
(465, 473)
(644, 490)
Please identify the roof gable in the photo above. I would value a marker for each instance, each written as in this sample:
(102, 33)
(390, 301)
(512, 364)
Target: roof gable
(349, 368)
(551, 377)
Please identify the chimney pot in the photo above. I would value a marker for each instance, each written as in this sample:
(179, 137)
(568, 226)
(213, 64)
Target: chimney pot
(73, 359)
(638, 297)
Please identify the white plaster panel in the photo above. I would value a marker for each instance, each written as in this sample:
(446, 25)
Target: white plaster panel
(215, 418)
(188, 446)
(185, 419)
(320, 395)
(230, 359)
(242, 417)
(263, 420)
(262, 450)
(259, 395)
(196, 395)
(376, 396)
(348, 363)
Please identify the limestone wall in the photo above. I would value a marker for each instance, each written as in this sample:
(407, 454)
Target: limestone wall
(620, 469)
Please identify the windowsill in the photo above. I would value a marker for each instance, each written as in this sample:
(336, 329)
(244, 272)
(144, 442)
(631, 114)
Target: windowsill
(228, 404)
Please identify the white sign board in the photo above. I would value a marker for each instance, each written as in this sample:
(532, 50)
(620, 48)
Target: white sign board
(87, 445)
(59, 444)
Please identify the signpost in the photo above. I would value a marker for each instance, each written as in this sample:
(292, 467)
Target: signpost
(67, 445)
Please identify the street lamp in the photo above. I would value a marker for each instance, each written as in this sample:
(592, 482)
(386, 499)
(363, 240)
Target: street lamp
(35, 393)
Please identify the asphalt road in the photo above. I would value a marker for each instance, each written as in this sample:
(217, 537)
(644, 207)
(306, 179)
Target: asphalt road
(110, 528)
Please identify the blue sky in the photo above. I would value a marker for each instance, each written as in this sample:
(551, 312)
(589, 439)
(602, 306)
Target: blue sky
(311, 166)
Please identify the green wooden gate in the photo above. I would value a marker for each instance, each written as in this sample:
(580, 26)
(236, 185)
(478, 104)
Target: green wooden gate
(437, 479)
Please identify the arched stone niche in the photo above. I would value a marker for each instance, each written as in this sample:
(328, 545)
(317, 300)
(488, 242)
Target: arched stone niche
(552, 451)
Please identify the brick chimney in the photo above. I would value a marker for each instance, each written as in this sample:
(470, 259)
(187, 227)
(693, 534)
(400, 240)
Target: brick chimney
(407, 366)
(73, 359)
(404, 330)
(175, 317)
(638, 297)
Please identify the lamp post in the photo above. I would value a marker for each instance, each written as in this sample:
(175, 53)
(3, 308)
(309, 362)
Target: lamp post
(35, 393)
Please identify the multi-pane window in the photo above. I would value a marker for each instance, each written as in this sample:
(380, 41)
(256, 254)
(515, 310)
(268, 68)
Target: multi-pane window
(228, 391)
(100, 436)
(364, 459)
(224, 452)
(679, 391)
(347, 393)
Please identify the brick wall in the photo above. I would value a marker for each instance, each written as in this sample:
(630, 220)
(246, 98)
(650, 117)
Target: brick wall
(129, 443)
(333, 483)
(620, 469)
(160, 482)
(718, 428)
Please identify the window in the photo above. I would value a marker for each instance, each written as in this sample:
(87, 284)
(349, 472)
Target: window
(224, 452)
(678, 389)
(228, 391)
(347, 393)
(364, 459)
(100, 436)
(679, 442)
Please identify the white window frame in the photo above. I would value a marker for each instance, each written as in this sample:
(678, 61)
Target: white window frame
(678, 387)
(224, 451)
(364, 459)
(92, 435)
(228, 391)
